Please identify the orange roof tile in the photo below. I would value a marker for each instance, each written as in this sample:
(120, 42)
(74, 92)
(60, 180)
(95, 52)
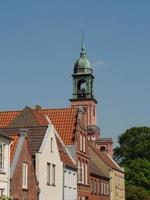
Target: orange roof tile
(6, 117)
(13, 146)
(64, 155)
(64, 120)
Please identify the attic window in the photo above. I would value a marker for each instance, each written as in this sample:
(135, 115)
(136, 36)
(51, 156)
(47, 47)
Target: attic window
(51, 145)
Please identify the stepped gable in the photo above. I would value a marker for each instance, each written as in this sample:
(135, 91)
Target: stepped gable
(35, 136)
(106, 158)
(64, 154)
(64, 121)
(96, 171)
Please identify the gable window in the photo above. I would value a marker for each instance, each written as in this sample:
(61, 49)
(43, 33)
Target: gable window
(51, 145)
(53, 174)
(48, 173)
(24, 175)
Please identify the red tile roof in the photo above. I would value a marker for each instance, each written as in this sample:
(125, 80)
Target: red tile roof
(39, 117)
(64, 154)
(6, 117)
(13, 146)
(64, 120)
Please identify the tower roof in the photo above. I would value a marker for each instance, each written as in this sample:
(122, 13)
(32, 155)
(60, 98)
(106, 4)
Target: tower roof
(82, 65)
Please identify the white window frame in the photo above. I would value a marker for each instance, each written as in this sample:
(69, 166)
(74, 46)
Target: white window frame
(74, 180)
(24, 175)
(65, 178)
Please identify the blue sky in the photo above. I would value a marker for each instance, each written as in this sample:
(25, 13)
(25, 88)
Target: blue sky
(40, 42)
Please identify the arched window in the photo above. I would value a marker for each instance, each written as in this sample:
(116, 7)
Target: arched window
(81, 142)
(102, 148)
(82, 88)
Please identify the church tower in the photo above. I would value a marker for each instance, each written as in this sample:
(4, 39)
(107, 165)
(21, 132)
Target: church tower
(83, 88)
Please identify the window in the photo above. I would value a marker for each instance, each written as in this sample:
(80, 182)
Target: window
(83, 170)
(86, 173)
(53, 174)
(65, 178)
(107, 189)
(91, 185)
(1, 192)
(102, 192)
(95, 186)
(51, 145)
(80, 142)
(74, 180)
(48, 173)
(70, 179)
(83, 143)
(79, 171)
(25, 175)
(1, 157)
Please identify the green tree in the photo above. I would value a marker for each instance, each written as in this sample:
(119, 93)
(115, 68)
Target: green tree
(133, 153)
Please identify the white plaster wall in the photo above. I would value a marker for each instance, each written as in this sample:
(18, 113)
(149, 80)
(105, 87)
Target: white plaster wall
(42, 158)
(70, 185)
(5, 174)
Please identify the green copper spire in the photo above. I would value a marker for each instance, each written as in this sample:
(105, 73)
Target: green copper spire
(82, 65)
(82, 44)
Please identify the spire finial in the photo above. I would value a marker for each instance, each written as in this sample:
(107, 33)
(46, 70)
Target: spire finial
(82, 44)
(82, 53)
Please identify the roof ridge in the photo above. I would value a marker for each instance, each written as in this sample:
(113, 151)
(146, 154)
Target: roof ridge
(67, 108)
(18, 127)
(5, 111)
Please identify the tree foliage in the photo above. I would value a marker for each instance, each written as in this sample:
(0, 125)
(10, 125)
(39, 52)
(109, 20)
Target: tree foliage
(133, 153)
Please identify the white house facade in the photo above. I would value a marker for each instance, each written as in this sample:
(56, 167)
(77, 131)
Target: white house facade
(70, 184)
(49, 168)
(4, 165)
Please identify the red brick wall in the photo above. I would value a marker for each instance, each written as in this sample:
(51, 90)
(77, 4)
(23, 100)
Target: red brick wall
(96, 194)
(83, 189)
(16, 183)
